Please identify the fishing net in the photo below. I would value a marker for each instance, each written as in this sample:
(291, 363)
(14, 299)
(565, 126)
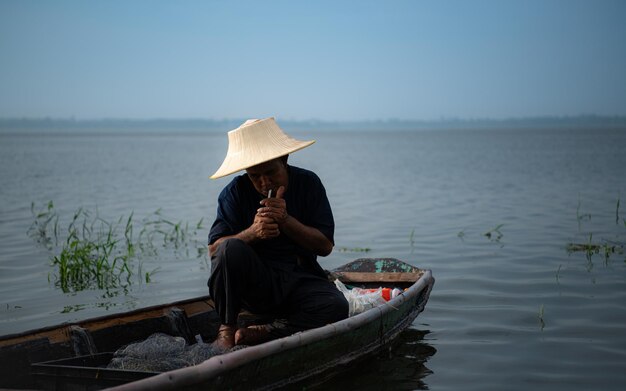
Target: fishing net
(160, 353)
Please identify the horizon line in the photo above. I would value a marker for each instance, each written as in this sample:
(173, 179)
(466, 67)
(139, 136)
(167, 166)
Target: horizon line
(322, 120)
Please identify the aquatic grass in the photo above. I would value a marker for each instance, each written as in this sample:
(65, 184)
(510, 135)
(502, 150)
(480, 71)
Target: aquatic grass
(107, 305)
(13, 307)
(39, 229)
(98, 254)
(159, 229)
(604, 247)
(146, 276)
(617, 211)
(494, 234)
(91, 257)
(128, 235)
(579, 216)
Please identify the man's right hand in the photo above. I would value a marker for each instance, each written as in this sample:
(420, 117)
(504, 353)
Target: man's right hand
(264, 228)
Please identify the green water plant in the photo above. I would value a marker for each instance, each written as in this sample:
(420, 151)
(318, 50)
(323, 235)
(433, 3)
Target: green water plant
(558, 271)
(581, 216)
(93, 255)
(97, 254)
(494, 234)
(606, 248)
(617, 211)
(45, 228)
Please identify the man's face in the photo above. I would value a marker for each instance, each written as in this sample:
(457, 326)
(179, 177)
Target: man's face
(269, 175)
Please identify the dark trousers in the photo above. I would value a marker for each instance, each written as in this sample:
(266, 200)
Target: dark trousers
(297, 299)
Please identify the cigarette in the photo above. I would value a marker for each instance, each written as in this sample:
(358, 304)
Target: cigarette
(269, 194)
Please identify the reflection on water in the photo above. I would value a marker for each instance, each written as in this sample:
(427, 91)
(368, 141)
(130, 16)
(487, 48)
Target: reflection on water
(400, 367)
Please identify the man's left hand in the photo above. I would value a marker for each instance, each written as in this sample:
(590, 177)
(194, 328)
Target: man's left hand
(275, 208)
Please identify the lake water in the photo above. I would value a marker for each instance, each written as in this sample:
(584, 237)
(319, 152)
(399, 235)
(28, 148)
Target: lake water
(511, 310)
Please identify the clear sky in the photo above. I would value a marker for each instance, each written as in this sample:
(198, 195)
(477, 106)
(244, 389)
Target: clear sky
(329, 60)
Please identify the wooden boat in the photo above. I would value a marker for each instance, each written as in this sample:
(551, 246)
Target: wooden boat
(75, 356)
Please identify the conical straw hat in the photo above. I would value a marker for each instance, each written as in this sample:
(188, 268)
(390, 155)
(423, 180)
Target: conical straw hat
(254, 142)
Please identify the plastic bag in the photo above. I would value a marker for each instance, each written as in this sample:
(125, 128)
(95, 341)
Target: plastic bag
(360, 300)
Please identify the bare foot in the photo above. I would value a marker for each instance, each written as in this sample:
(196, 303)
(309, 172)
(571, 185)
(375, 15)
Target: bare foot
(225, 338)
(252, 335)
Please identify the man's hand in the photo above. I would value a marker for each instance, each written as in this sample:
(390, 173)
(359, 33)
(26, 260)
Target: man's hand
(264, 228)
(272, 220)
(266, 224)
(274, 208)
(307, 237)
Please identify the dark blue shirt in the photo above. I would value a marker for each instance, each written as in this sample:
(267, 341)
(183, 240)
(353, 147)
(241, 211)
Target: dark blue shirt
(306, 201)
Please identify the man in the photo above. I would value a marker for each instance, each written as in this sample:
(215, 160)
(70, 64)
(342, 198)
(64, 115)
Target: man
(272, 222)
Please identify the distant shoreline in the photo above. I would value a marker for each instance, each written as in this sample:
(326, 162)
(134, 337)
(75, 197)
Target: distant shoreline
(70, 125)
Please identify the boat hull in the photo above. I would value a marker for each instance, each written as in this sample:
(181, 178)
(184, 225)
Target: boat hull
(313, 354)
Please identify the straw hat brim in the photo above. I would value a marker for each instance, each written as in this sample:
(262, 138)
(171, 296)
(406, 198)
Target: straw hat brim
(256, 142)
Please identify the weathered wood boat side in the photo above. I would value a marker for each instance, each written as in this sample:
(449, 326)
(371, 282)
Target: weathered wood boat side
(102, 334)
(316, 353)
(313, 352)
